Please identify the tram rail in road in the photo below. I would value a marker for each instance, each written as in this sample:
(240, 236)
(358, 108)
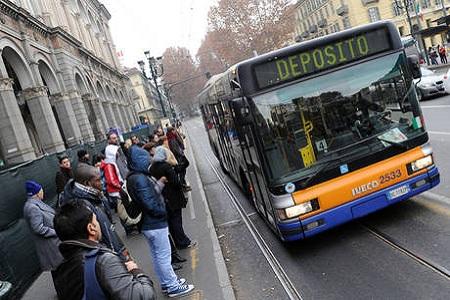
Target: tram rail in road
(411, 254)
(280, 273)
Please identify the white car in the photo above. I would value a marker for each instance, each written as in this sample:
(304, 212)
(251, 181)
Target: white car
(447, 81)
(430, 84)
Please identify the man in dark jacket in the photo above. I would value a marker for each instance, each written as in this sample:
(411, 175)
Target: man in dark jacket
(63, 175)
(88, 186)
(173, 193)
(107, 275)
(147, 194)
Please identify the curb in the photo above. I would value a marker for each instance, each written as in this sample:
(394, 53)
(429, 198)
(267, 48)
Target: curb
(224, 280)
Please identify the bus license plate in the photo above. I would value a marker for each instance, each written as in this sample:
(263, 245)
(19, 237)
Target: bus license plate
(400, 191)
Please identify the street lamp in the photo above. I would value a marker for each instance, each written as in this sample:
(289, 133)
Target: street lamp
(406, 5)
(154, 63)
(142, 66)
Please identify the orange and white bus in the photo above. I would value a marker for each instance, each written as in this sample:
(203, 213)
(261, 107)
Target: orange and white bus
(324, 131)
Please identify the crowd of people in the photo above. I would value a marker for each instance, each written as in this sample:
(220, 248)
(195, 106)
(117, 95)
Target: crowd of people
(144, 183)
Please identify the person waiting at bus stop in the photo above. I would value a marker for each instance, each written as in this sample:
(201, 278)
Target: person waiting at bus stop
(63, 175)
(39, 216)
(175, 198)
(147, 193)
(91, 271)
(87, 185)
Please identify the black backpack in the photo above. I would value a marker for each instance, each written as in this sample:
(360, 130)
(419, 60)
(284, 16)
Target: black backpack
(132, 207)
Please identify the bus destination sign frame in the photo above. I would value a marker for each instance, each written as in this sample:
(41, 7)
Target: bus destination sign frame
(317, 59)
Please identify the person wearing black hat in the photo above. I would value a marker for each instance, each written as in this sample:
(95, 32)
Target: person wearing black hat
(83, 156)
(40, 216)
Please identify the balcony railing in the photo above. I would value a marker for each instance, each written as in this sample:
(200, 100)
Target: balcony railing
(366, 2)
(322, 23)
(342, 10)
(313, 28)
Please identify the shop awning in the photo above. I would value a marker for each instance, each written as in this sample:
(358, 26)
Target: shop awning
(427, 32)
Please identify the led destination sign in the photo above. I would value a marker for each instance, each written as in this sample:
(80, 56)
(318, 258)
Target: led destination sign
(283, 69)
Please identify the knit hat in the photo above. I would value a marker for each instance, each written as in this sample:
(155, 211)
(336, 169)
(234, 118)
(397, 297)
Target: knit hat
(32, 187)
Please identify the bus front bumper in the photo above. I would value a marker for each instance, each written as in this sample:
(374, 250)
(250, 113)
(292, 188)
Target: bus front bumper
(300, 229)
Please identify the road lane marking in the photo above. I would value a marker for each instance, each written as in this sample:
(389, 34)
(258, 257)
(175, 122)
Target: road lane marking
(439, 132)
(435, 106)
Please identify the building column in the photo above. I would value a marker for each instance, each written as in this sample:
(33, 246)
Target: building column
(98, 119)
(118, 116)
(110, 118)
(124, 117)
(14, 139)
(43, 118)
(131, 116)
(66, 116)
(81, 116)
(67, 14)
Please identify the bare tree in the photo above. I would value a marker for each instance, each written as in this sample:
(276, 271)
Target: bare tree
(181, 76)
(239, 27)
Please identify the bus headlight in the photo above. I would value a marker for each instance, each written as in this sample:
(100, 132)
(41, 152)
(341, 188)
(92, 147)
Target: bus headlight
(298, 210)
(420, 164)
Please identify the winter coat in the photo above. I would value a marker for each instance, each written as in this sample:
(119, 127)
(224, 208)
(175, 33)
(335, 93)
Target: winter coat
(113, 183)
(112, 275)
(174, 145)
(40, 219)
(170, 157)
(145, 191)
(98, 203)
(61, 178)
(173, 190)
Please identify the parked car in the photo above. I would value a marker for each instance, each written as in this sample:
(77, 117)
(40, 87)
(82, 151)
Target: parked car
(446, 79)
(430, 84)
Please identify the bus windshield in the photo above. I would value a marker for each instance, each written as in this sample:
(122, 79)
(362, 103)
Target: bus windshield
(305, 124)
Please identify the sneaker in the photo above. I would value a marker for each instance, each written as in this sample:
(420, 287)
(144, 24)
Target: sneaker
(5, 286)
(176, 258)
(182, 289)
(192, 244)
(181, 281)
(187, 188)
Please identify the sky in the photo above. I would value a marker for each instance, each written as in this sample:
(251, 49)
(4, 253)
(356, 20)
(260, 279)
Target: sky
(140, 25)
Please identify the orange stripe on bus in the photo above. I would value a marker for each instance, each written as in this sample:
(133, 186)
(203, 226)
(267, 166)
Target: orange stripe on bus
(338, 191)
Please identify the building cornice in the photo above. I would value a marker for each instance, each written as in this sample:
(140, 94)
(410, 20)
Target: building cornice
(20, 14)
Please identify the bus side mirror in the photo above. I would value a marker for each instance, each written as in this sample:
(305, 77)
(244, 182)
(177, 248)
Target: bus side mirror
(414, 66)
(241, 112)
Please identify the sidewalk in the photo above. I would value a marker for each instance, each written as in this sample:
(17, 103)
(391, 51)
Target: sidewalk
(205, 266)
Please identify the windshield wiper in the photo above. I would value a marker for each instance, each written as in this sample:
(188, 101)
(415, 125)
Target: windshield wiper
(396, 144)
(326, 164)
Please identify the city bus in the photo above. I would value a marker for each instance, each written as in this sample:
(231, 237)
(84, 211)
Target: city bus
(324, 131)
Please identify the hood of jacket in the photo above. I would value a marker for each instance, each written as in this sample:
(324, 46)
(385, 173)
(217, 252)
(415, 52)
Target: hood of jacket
(160, 154)
(139, 160)
(111, 153)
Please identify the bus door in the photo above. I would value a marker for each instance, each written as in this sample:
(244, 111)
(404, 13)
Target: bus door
(227, 158)
(258, 187)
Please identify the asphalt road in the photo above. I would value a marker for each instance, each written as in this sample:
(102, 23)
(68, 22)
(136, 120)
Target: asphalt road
(349, 262)
(437, 121)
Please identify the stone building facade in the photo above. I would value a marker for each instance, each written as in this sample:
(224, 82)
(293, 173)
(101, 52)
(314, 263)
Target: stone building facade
(147, 107)
(314, 18)
(60, 81)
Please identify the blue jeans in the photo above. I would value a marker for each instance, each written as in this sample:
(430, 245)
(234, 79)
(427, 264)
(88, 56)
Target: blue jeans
(158, 240)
